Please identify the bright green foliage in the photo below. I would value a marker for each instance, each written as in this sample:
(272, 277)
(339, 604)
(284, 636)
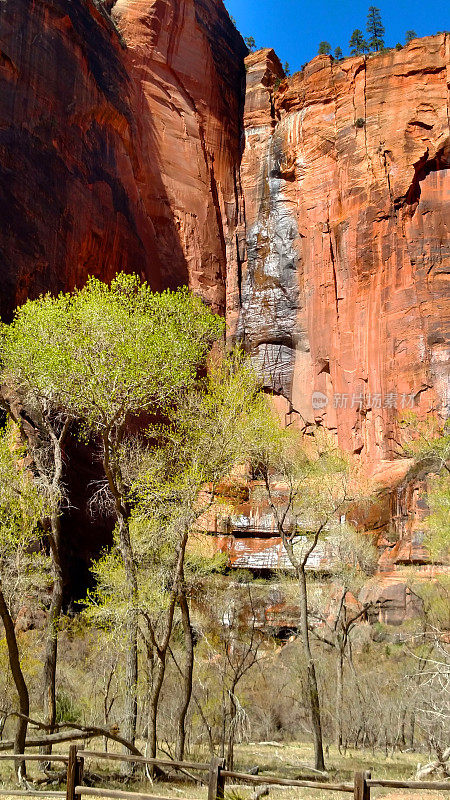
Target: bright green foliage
(66, 710)
(21, 510)
(357, 43)
(375, 28)
(409, 36)
(103, 353)
(319, 478)
(250, 42)
(437, 540)
(427, 441)
(324, 48)
(173, 480)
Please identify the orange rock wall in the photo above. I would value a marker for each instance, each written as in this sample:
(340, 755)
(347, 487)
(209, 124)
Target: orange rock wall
(322, 233)
(119, 143)
(344, 287)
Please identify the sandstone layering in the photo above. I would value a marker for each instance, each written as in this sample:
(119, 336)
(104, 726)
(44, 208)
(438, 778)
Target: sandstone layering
(314, 212)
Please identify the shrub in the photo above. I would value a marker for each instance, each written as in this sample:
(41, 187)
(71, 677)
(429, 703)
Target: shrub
(66, 710)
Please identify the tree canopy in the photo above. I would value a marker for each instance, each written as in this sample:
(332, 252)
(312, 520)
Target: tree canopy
(324, 48)
(357, 43)
(104, 352)
(375, 28)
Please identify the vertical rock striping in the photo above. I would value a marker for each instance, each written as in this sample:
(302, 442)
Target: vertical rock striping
(344, 289)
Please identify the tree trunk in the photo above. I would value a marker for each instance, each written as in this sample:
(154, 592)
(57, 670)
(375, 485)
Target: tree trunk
(412, 730)
(339, 697)
(51, 649)
(313, 692)
(19, 680)
(154, 702)
(187, 676)
(113, 477)
(232, 728)
(131, 658)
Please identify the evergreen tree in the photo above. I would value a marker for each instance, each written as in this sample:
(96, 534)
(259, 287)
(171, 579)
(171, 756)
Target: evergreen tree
(287, 68)
(324, 48)
(409, 36)
(357, 43)
(250, 42)
(375, 28)
(338, 54)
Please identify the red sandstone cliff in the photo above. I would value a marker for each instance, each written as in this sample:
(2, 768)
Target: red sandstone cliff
(328, 244)
(119, 143)
(344, 291)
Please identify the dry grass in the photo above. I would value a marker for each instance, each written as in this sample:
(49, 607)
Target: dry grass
(284, 760)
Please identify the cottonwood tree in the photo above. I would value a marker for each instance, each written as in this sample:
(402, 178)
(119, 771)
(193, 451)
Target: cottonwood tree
(233, 645)
(427, 442)
(44, 430)
(21, 508)
(354, 560)
(104, 355)
(174, 478)
(316, 480)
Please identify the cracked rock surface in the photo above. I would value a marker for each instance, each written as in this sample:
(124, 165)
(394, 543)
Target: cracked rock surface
(343, 290)
(119, 143)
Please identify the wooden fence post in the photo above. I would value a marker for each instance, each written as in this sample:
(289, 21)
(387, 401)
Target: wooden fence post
(362, 790)
(75, 767)
(216, 784)
(71, 772)
(79, 772)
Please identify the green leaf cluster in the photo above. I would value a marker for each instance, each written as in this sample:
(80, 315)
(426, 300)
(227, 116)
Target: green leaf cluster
(104, 352)
(21, 504)
(174, 475)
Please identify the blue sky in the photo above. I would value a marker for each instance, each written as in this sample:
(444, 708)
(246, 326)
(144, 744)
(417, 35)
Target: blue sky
(294, 28)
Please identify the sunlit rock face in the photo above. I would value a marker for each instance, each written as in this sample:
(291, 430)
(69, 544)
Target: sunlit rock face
(185, 64)
(343, 293)
(120, 143)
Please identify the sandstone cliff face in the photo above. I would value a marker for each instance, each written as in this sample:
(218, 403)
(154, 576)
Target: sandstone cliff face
(323, 235)
(344, 289)
(119, 143)
(185, 61)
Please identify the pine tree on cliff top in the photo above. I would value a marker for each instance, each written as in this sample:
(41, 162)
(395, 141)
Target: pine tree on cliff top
(375, 28)
(324, 48)
(357, 43)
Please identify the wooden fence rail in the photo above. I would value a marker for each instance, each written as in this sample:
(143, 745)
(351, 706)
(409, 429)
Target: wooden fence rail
(360, 789)
(274, 781)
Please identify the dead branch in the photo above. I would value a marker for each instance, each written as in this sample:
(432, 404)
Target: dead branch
(78, 732)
